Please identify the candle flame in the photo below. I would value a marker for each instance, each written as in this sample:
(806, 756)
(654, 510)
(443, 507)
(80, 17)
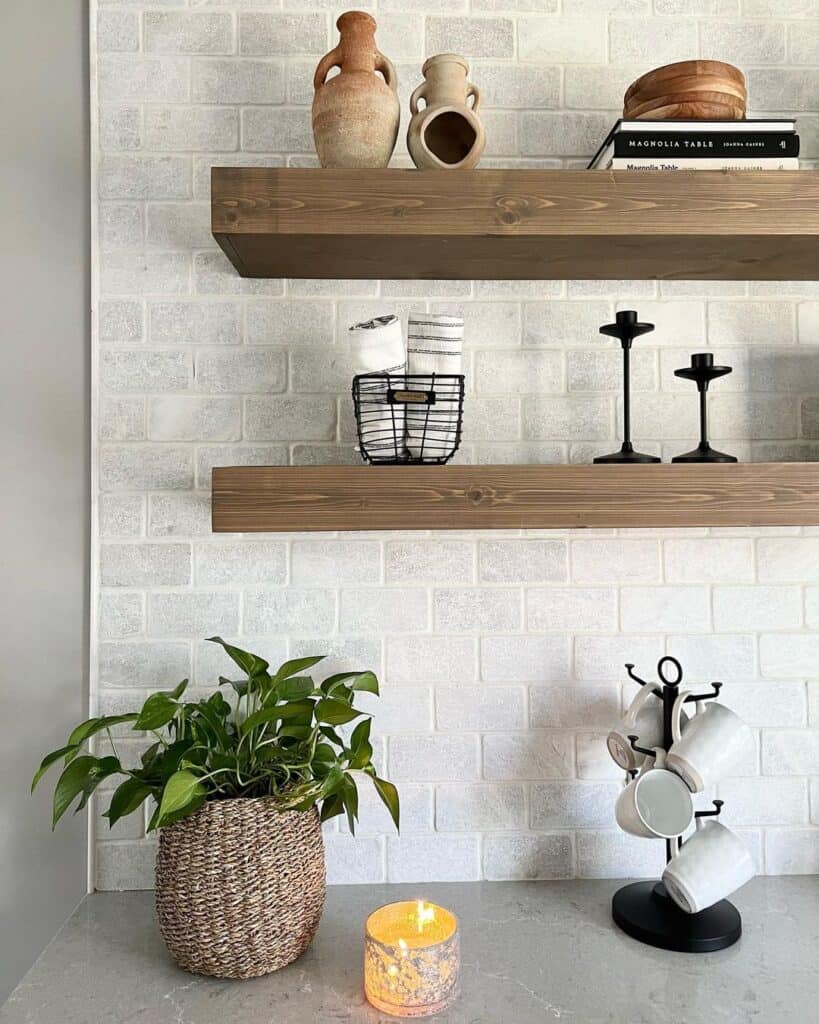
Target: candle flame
(424, 912)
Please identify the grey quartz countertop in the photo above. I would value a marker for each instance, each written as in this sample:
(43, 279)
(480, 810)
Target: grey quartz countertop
(532, 952)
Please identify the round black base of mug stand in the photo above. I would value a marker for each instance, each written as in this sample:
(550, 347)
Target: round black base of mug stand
(704, 453)
(625, 455)
(646, 912)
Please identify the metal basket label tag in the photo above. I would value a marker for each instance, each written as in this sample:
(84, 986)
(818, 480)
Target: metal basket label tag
(411, 397)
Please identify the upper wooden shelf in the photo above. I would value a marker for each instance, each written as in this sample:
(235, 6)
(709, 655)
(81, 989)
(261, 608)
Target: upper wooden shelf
(523, 224)
(298, 498)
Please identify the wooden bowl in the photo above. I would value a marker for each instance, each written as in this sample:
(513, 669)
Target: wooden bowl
(698, 89)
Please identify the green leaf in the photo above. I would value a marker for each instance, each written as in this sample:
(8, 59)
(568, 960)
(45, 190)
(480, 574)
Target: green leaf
(324, 753)
(335, 712)
(94, 725)
(333, 782)
(49, 760)
(351, 680)
(239, 687)
(180, 790)
(296, 688)
(157, 711)
(278, 713)
(171, 819)
(251, 664)
(104, 767)
(349, 794)
(177, 691)
(332, 807)
(389, 797)
(292, 668)
(126, 798)
(71, 783)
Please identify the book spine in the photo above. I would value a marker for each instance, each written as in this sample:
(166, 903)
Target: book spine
(727, 164)
(671, 145)
(725, 127)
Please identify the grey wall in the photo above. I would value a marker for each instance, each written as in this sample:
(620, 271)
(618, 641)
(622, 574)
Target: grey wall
(44, 402)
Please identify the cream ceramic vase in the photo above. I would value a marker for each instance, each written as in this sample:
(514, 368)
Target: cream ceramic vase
(446, 133)
(356, 112)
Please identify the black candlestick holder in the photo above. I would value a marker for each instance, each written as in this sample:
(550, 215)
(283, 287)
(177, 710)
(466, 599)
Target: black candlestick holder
(626, 327)
(702, 371)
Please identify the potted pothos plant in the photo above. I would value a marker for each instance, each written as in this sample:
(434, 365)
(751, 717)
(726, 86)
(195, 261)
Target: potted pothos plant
(240, 782)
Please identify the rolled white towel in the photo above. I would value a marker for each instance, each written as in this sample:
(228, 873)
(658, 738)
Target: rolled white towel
(377, 346)
(434, 345)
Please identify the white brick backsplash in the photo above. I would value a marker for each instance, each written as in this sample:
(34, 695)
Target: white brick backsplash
(530, 755)
(289, 610)
(145, 565)
(617, 855)
(228, 80)
(764, 801)
(187, 323)
(429, 561)
(143, 664)
(121, 616)
(757, 608)
(186, 129)
(790, 752)
(664, 609)
(528, 857)
(143, 80)
(354, 861)
(709, 561)
(574, 706)
(571, 609)
(431, 659)
(476, 610)
(242, 372)
(536, 659)
(327, 563)
(145, 467)
(563, 40)
(433, 859)
(500, 654)
(282, 35)
(183, 32)
(522, 561)
(193, 614)
(420, 758)
(142, 370)
(378, 610)
(479, 708)
(194, 419)
(460, 808)
(184, 514)
(792, 851)
(573, 804)
(241, 563)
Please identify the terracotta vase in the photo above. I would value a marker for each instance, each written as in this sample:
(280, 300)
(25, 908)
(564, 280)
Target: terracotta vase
(446, 133)
(355, 113)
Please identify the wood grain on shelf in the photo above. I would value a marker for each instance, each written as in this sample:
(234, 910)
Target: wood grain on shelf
(298, 498)
(519, 224)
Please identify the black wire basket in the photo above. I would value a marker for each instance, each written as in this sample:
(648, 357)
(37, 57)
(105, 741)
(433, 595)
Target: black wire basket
(408, 418)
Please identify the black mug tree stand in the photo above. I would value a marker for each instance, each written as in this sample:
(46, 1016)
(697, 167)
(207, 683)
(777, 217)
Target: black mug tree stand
(644, 910)
(626, 328)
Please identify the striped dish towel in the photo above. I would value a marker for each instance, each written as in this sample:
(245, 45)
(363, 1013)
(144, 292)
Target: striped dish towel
(435, 344)
(377, 346)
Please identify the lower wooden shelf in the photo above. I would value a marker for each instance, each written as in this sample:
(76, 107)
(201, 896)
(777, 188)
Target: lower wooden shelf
(294, 499)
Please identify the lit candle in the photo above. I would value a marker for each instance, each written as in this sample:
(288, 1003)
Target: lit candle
(411, 959)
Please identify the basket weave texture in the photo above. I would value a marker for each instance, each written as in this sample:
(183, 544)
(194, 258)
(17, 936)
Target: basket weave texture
(240, 887)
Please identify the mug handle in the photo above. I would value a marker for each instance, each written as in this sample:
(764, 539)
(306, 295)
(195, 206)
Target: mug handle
(387, 69)
(325, 66)
(676, 716)
(474, 92)
(636, 705)
(418, 93)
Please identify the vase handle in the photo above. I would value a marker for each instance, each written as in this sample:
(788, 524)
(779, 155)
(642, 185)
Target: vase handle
(418, 94)
(387, 69)
(325, 66)
(474, 92)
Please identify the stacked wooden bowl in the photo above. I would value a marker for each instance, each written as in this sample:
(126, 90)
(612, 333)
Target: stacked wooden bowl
(696, 90)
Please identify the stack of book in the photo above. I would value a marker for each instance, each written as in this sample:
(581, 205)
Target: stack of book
(753, 145)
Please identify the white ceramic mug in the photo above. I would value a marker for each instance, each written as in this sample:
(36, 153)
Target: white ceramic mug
(707, 747)
(657, 804)
(644, 719)
(709, 866)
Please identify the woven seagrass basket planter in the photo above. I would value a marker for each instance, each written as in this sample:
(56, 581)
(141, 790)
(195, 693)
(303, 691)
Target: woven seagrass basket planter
(240, 887)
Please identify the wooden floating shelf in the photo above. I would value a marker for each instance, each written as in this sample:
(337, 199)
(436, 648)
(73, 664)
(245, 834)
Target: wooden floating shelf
(518, 224)
(295, 499)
